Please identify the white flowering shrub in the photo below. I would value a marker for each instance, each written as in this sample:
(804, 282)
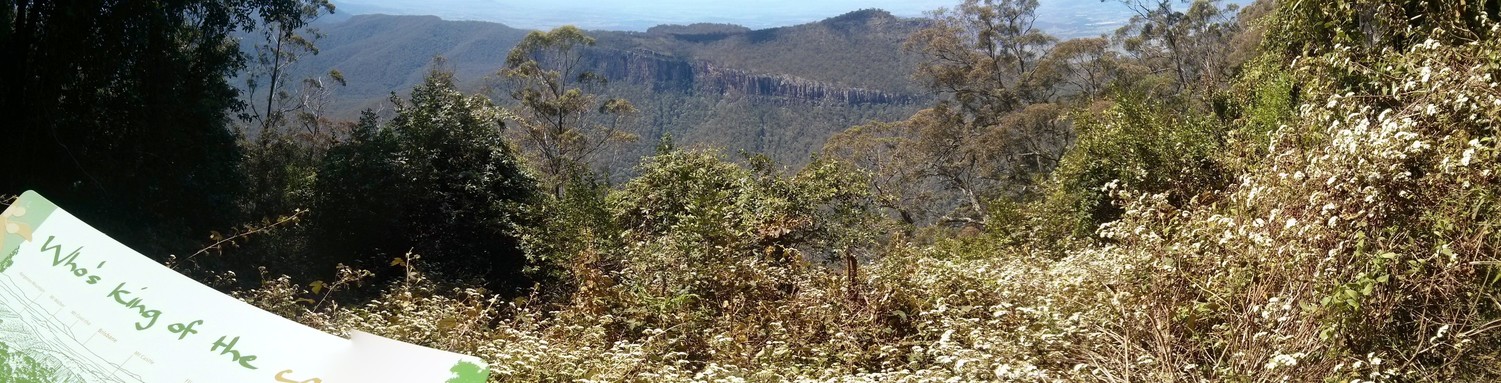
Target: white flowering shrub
(1351, 251)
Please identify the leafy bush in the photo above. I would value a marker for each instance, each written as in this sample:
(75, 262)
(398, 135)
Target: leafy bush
(440, 174)
(1134, 143)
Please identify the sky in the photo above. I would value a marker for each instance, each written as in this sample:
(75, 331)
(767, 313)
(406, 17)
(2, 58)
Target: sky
(1076, 17)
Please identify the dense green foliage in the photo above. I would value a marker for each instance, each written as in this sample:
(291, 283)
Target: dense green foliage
(121, 110)
(1306, 193)
(439, 174)
(1137, 144)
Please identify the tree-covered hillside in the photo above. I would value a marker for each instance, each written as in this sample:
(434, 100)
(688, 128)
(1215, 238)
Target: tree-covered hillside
(779, 91)
(1288, 191)
(381, 54)
(820, 51)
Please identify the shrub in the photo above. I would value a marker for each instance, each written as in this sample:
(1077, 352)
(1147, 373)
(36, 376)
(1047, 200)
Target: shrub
(1135, 143)
(438, 179)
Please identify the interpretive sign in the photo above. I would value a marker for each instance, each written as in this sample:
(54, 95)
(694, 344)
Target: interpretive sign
(79, 307)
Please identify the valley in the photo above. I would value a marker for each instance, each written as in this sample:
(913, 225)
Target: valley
(779, 91)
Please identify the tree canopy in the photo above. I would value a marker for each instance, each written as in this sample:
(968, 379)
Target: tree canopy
(121, 109)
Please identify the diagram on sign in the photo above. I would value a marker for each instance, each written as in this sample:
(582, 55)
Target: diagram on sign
(43, 340)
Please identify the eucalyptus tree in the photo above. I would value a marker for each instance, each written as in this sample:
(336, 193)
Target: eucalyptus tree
(562, 123)
(995, 129)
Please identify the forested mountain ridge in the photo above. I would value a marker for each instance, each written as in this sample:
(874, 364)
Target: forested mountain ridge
(779, 91)
(822, 51)
(380, 54)
(383, 53)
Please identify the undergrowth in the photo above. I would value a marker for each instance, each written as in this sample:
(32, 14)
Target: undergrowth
(1348, 233)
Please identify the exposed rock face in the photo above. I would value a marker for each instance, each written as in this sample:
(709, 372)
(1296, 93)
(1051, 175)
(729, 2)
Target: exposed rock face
(663, 72)
(658, 71)
(715, 78)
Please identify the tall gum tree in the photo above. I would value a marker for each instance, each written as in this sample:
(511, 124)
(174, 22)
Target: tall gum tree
(1190, 46)
(561, 123)
(995, 128)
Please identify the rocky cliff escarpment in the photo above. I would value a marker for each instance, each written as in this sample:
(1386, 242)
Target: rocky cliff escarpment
(717, 78)
(663, 72)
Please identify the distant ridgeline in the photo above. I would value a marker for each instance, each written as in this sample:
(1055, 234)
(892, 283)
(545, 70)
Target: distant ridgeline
(780, 91)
